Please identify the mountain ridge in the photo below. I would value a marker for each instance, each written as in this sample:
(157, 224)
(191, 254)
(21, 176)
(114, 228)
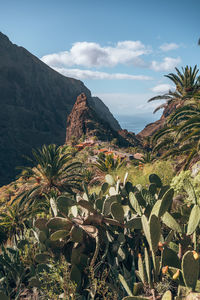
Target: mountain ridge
(35, 101)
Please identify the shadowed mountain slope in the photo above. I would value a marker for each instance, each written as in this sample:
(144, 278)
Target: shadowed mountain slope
(35, 101)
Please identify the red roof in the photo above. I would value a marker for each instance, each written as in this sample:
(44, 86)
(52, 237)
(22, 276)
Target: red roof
(103, 150)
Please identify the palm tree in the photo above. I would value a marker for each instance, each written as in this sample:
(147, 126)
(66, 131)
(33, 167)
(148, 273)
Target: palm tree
(187, 85)
(107, 163)
(54, 170)
(181, 135)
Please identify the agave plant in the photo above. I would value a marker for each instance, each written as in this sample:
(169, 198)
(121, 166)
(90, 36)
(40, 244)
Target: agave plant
(15, 220)
(107, 163)
(14, 275)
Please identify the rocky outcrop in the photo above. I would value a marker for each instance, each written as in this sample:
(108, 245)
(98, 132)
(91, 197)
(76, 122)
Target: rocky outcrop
(34, 104)
(152, 128)
(83, 120)
(130, 137)
(103, 112)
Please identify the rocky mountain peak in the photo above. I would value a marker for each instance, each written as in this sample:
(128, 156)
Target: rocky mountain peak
(83, 120)
(35, 101)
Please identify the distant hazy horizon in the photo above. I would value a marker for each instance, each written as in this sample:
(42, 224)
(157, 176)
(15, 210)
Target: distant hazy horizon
(137, 122)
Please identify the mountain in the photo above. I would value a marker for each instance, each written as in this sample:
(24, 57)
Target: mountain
(83, 120)
(151, 128)
(35, 101)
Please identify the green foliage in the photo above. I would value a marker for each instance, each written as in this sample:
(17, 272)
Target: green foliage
(14, 275)
(107, 163)
(54, 173)
(190, 269)
(56, 281)
(121, 241)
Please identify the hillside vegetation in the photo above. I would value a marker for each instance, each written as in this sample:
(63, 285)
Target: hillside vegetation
(99, 222)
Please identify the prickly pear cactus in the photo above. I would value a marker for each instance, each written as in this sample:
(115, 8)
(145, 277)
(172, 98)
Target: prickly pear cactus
(167, 296)
(153, 178)
(190, 268)
(194, 219)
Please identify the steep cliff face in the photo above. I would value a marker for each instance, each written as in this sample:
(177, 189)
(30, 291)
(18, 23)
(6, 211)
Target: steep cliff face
(83, 120)
(34, 104)
(103, 112)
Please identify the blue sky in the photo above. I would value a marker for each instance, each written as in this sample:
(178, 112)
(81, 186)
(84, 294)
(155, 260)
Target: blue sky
(120, 49)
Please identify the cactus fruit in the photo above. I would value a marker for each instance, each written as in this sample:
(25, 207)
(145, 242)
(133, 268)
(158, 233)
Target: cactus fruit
(194, 219)
(165, 270)
(153, 178)
(190, 269)
(195, 255)
(110, 180)
(176, 275)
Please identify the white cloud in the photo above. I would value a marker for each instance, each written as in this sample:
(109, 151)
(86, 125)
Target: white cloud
(94, 55)
(169, 46)
(162, 88)
(88, 74)
(168, 63)
(129, 103)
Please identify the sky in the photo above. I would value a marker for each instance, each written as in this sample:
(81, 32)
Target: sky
(120, 49)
